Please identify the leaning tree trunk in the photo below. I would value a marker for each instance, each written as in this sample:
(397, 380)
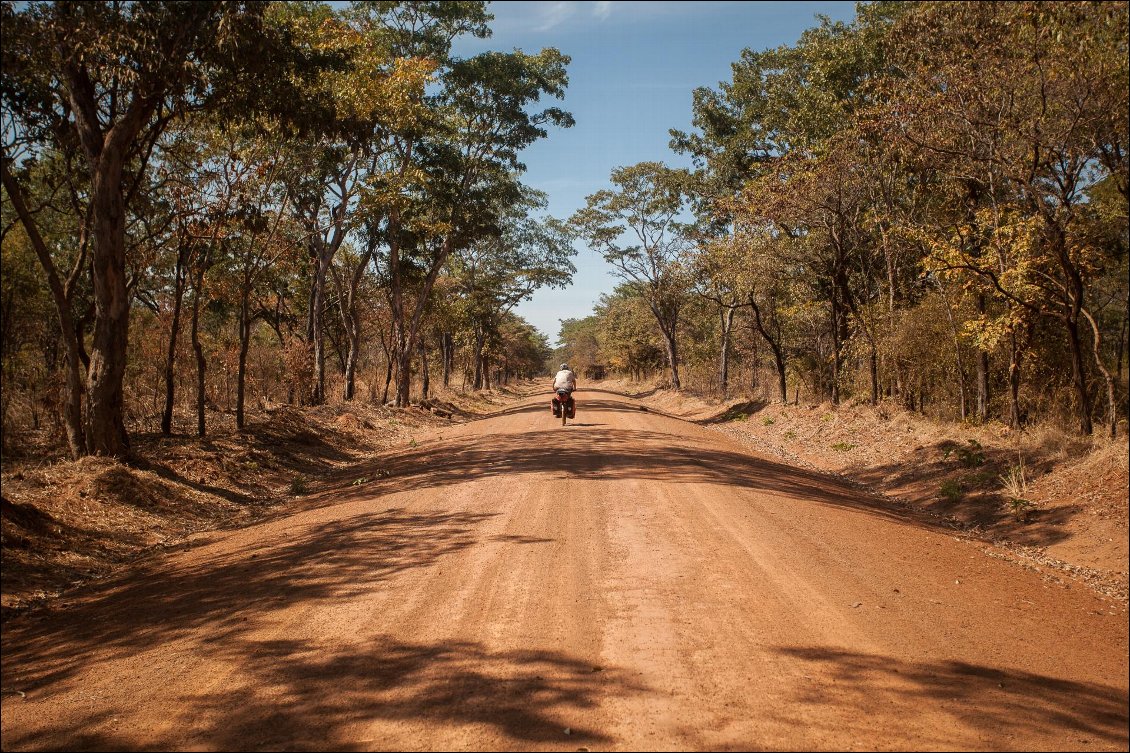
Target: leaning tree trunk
(71, 334)
(775, 346)
(1111, 397)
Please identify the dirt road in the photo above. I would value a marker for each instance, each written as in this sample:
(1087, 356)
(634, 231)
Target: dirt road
(629, 582)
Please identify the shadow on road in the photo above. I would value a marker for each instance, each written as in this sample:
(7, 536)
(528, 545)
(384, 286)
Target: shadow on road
(602, 452)
(299, 694)
(999, 704)
(227, 594)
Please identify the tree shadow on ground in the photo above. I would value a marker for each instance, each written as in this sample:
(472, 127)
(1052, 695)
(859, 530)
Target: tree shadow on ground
(736, 412)
(1000, 705)
(297, 694)
(601, 452)
(649, 455)
(227, 595)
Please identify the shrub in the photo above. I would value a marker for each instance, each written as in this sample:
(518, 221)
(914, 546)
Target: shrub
(951, 490)
(970, 454)
(1015, 487)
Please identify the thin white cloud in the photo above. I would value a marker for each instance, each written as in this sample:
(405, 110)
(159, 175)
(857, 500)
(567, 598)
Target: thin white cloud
(602, 9)
(554, 14)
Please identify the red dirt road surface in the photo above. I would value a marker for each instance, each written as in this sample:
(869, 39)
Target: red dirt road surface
(627, 582)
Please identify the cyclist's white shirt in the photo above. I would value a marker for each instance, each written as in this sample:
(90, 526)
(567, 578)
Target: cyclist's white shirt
(565, 380)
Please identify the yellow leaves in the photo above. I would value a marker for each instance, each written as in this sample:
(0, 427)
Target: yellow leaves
(388, 90)
(986, 333)
(373, 85)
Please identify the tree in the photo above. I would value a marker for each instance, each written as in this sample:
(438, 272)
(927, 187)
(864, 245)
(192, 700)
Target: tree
(1027, 127)
(645, 205)
(109, 78)
(495, 273)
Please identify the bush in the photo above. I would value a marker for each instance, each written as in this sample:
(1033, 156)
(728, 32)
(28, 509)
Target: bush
(951, 490)
(970, 454)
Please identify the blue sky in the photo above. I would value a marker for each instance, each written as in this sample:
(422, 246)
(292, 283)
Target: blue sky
(634, 67)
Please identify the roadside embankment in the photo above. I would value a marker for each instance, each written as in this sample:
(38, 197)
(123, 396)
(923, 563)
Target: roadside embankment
(1043, 497)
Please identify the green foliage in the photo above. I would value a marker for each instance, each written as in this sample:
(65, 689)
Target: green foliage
(952, 491)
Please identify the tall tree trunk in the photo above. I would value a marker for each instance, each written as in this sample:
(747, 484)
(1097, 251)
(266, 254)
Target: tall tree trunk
(351, 364)
(874, 364)
(1016, 353)
(480, 342)
(244, 343)
(837, 344)
(318, 393)
(105, 419)
(174, 336)
(424, 369)
(410, 327)
(672, 358)
(1122, 330)
(982, 362)
(956, 352)
(727, 316)
(448, 352)
(1079, 375)
(403, 373)
(668, 320)
(198, 349)
(347, 305)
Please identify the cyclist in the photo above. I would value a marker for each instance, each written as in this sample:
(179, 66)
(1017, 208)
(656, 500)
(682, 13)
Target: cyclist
(565, 380)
